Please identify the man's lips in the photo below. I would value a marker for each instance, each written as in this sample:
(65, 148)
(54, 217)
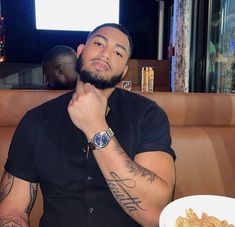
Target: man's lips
(100, 65)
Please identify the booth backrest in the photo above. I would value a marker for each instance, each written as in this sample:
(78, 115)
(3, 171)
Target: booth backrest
(188, 109)
(202, 128)
(183, 109)
(15, 103)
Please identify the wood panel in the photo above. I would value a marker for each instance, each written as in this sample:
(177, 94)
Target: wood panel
(161, 73)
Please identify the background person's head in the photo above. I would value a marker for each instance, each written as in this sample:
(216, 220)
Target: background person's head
(103, 60)
(59, 67)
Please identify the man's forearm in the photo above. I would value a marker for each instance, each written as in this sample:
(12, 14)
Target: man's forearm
(12, 221)
(139, 191)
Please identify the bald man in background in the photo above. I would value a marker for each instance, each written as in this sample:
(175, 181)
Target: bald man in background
(59, 68)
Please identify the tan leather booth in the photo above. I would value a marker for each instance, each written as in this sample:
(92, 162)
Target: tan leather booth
(202, 128)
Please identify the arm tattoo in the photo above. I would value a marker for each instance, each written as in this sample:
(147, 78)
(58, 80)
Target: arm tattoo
(119, 149)
(119, 188)
(134, 167)
(33, 195)
(137, 169)
(6, 185)
(10, 222)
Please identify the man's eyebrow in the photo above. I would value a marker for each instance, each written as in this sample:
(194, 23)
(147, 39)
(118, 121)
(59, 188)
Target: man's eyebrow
(106, 39)
(122, 47)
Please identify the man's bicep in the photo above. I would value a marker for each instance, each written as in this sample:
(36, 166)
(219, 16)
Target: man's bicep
(16, 194)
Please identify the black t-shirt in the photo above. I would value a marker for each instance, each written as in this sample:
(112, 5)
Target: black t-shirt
(48, 148)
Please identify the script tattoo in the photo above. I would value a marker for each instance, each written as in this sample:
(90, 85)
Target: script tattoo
(119, 189)
(6, 185)
(10, 222)
(33, 195)
(137, 169)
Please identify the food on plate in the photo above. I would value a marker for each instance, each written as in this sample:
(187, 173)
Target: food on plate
(192, 220)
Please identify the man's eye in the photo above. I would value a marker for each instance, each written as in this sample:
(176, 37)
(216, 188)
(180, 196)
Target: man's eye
(98, 44)
(119, 54)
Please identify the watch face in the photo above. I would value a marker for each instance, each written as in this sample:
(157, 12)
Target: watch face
(101, 139)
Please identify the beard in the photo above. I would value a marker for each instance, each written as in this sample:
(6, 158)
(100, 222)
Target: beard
(94, 78)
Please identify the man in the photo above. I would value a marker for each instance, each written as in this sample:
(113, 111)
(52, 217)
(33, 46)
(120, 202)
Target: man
(102, 155)
(59, 68)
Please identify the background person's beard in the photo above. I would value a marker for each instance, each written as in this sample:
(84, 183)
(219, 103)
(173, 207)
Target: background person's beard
(93, 78)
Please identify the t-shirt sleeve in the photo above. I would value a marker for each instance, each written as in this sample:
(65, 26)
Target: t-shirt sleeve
(20, 161)
(155, 131)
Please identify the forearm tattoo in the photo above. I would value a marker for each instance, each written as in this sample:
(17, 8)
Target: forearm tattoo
(137, 169)
(10, 222)
(119, 188)
(6, 185)
(134, 167)
(33, 195)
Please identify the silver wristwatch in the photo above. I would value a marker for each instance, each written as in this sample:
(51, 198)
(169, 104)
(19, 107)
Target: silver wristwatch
(101, 139)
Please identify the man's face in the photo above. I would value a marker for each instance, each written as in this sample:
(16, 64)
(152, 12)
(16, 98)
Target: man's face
(49, 73)
(104, 57)
(68, 64)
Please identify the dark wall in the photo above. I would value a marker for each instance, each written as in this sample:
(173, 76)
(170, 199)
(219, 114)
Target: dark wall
(26, 44)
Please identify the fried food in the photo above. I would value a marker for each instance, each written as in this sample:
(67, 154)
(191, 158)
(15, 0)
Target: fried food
(192, 220)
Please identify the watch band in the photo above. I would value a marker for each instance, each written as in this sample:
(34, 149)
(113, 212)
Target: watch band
(110, 132)
(91, 146)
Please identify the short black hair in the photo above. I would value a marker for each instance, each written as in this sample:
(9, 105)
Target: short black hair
(117, 26)
(59, 50)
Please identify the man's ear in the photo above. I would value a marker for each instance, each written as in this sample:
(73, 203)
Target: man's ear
(59, 70)
(80, 49)
(125, 71)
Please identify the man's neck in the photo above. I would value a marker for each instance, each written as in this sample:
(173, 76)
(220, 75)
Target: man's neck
(107, 92)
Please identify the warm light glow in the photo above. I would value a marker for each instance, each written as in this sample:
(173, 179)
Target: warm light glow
(2, 59)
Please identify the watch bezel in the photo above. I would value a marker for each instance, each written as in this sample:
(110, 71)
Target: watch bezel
(101, 139)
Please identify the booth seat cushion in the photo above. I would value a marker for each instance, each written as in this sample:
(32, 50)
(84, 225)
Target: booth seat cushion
(205, 161)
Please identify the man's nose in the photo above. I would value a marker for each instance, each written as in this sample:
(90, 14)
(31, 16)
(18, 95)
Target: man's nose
(105, 53)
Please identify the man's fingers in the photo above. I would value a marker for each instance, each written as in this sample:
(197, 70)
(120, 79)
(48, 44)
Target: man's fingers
(98, 92)
(80, 87)
(88, 87)
(75, 96)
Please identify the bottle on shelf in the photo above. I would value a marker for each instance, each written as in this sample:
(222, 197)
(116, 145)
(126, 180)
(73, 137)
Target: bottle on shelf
(151, 79)
(146, 79)
(142, 79)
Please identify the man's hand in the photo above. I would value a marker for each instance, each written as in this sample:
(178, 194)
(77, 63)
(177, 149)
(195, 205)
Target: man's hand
(87, 109)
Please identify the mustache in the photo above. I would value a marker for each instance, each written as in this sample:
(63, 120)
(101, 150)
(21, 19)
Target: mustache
(101, 59)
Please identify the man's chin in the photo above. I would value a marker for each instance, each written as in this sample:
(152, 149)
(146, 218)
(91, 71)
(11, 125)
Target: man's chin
(98, 82)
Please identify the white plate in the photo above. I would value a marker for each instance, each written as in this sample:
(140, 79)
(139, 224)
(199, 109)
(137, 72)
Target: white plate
(221, 207)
